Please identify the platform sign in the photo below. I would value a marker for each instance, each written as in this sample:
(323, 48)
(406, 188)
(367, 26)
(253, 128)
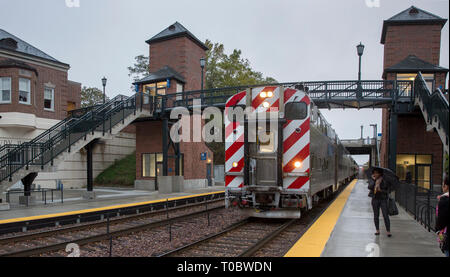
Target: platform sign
(203, 156)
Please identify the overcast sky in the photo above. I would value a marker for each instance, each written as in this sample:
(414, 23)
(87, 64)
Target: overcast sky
(290, 40)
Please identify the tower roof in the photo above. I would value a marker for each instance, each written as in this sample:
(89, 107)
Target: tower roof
(412, 64)
(412, 16)
(161, 75)
(173, 31)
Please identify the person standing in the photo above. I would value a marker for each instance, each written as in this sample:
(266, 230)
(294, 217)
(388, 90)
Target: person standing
(379, 190)
(442, 217)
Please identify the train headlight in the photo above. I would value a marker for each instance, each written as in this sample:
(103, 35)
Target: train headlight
(298, 164)
(235, 164)
(266, 104)
(270, 94)
(263, 94)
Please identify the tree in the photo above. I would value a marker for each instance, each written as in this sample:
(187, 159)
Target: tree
(139, 69)
(91, 96)
(224, 70)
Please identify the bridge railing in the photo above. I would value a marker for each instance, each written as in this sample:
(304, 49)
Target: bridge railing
(435, 104)
(318, 90)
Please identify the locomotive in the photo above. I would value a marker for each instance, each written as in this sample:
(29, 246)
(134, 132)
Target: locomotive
(281, 155)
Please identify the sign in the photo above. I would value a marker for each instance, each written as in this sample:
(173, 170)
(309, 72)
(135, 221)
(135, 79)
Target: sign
(203, 156)
(136, 87)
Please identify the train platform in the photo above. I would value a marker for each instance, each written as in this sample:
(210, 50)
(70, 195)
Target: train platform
(107, 198)
(346, 229)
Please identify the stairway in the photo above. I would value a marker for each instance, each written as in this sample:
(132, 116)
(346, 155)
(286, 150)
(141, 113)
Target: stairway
(45, 152)
(435, 109)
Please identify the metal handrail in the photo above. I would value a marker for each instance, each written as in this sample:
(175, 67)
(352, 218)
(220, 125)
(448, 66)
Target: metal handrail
(44, 148)
(435, 104)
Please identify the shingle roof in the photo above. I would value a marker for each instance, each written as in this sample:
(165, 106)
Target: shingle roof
(22, 47)
(173, 31)
(161, 75)
(414, 64)
(411, 16)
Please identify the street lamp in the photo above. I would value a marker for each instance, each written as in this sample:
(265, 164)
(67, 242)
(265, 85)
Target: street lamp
(360, 49)
(104, 85)
(202, 65)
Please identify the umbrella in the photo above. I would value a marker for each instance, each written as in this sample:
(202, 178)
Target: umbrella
(388, 175)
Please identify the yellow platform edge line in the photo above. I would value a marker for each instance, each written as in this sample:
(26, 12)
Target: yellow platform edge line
(312, 243)
(36, 217)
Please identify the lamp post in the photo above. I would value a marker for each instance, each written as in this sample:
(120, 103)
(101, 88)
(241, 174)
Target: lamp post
(104, 85)
(360, 50)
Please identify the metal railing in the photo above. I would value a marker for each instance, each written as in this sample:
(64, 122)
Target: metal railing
(43, 149)
(435, 104)
(418, 201)
(43, 195)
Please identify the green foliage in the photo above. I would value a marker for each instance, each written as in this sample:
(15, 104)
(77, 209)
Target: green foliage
(91, 96)
(121, 173)
(224, 70)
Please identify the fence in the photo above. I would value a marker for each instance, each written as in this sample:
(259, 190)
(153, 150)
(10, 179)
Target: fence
(40, 195)
(420, 202)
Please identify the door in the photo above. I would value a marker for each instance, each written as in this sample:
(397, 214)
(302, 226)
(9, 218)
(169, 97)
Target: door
(423, 176)
(159, 172)
(263, 157)
(208, 175)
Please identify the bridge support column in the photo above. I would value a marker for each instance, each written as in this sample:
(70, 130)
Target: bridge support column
(89, 193)
(165, 142)
(393, 129)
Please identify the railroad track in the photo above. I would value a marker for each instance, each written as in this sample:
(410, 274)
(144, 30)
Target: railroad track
(242, 239)
(57, 239)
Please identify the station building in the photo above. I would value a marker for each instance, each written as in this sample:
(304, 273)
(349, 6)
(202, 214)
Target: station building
(35, 94)
(174, 67)
(412, 43)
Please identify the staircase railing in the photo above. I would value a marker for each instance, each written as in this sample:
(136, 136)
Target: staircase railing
(59, 138)
(435, 104)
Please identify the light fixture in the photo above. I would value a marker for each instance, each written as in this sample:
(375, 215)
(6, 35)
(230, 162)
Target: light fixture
(202, 62)
(104, 81)
(270, 94)
(298, 164)
(266, 104)
(235, 164)
(360, 49)
(263, 94)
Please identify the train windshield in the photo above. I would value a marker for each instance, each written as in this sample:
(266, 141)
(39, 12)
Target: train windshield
(296, 110)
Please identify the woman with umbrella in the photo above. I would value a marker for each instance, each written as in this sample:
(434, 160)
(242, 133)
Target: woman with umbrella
(379, 191)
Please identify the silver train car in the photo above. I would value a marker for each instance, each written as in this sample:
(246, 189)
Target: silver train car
(295, 158)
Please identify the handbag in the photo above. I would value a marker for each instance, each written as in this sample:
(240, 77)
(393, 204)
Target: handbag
(392, 207)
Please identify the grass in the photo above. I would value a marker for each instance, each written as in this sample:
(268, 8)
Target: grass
(120, 174)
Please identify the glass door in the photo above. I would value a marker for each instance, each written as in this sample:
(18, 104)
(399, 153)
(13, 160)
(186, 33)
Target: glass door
(423, 176)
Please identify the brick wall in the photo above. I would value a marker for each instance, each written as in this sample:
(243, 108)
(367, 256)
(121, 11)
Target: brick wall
(64, 91)
(181, 54)
(423, 41)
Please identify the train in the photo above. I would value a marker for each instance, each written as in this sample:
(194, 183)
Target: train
(281, 155)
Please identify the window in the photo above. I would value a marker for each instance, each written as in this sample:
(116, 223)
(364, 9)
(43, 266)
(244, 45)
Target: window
(267, 146)
(49, 96)
(296, 110)
(24, 91)
(406, 88)
(179, 89)
(415, 169)
(5, 90)
(151, 161)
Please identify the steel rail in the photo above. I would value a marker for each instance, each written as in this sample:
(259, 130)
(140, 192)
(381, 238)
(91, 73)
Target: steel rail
(24, 237)
(103, 236)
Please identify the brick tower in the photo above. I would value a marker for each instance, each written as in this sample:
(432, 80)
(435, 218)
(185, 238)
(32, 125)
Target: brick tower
(175, 55)
(412, 42)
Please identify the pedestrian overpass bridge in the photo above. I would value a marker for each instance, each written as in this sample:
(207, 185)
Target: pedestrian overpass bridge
(85, 126)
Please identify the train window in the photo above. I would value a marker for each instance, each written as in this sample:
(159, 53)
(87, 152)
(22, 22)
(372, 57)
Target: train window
(268, 143)
(296, 110)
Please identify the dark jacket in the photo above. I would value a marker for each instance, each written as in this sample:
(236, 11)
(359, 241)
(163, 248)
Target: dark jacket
(442, 219)
(381, 195)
